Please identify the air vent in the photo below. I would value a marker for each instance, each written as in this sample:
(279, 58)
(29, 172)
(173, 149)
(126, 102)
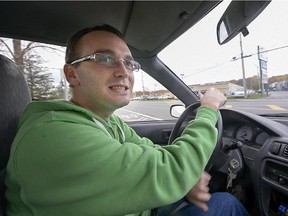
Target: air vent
(285, 152)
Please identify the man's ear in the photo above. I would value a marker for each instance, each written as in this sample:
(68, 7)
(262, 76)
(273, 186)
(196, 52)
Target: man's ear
(71, 75)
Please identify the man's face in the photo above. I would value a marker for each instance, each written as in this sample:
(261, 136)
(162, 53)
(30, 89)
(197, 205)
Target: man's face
(103, 89)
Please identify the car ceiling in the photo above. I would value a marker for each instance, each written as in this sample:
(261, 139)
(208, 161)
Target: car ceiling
(148, 26)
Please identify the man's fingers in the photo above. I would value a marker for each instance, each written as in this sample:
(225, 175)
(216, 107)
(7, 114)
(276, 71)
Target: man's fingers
(202, 205)
(199, 197)
(200, 200)
(205, 178)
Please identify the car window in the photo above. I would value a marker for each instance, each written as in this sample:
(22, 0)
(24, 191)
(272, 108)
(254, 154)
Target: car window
(198, 59)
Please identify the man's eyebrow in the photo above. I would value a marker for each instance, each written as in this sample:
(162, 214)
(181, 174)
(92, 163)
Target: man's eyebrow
(112, 53)
(105, 51)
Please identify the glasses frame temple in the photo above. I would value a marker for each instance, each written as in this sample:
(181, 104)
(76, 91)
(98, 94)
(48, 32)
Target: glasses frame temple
(85, 58)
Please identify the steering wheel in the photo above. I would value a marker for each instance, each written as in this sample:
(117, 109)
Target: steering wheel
(219, 147)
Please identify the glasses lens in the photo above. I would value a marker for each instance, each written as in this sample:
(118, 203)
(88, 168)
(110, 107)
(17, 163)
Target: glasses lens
(105, 59)
(110, 61)
(132, 65)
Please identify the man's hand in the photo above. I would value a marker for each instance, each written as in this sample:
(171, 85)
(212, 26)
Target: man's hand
(199, 195)
(213, 98)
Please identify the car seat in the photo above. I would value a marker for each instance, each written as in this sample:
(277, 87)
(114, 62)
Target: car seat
(14, 96)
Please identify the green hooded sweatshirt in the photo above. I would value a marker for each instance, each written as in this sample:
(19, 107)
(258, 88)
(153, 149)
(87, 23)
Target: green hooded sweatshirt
(65, 160)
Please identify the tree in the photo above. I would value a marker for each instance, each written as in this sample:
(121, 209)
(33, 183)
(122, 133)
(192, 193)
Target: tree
(26, 57)
(38, 79)
(61, 90)
(278, 78)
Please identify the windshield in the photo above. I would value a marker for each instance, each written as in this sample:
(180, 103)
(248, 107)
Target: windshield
(251, 71)
(237, 67)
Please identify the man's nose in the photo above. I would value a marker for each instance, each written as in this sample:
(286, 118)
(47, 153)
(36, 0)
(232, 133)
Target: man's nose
(121, 70)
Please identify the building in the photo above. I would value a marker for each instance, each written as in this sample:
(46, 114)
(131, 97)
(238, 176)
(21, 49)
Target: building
(280, 86)
(227, 88)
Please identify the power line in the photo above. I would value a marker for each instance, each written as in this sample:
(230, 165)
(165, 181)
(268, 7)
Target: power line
(209, 68)
(235, 59)
(264, 51)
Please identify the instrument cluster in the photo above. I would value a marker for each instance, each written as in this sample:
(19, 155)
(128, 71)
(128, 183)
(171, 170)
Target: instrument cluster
(247, 133)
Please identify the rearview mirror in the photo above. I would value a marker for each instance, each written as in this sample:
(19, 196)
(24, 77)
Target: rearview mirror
(236, 18)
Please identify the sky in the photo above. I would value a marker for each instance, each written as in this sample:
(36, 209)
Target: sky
(198, 56)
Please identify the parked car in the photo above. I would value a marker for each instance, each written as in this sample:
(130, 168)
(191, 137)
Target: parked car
(258, 144)
(238, 94)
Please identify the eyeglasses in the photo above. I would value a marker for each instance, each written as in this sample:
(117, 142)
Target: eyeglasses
(109, 61)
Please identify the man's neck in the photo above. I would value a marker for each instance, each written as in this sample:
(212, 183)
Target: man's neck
(104, 115)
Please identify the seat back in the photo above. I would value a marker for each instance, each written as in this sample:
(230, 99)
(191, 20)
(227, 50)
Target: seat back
(14, 96)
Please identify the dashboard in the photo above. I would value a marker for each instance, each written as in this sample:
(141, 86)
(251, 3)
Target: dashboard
(251, 130)
(263, 153)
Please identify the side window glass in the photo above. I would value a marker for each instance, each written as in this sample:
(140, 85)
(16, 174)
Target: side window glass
(42, 66)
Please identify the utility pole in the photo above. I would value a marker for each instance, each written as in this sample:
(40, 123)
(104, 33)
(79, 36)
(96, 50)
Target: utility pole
(260, 71)
(64, 82)
(143, 88)
(243, 68)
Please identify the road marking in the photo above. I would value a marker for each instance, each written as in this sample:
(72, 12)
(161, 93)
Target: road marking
(143, 118)
(228, 106)
(274, 107)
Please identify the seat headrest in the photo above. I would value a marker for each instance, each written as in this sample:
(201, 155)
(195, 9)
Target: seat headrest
(14, 97)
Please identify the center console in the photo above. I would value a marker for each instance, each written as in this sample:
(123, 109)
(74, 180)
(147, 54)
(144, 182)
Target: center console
(276, 176)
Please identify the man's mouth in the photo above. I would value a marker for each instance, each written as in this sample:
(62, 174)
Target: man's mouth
(119, 88)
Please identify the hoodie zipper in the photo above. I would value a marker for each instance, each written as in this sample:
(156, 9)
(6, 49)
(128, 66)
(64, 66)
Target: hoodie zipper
(107, 132)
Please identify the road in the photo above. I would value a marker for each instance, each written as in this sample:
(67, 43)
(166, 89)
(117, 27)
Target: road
(276, 102)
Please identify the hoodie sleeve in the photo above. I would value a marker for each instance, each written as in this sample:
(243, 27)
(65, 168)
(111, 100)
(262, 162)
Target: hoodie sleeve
(77, 169)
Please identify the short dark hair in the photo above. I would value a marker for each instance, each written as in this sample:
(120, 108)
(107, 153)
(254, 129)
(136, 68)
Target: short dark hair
(72, 43)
